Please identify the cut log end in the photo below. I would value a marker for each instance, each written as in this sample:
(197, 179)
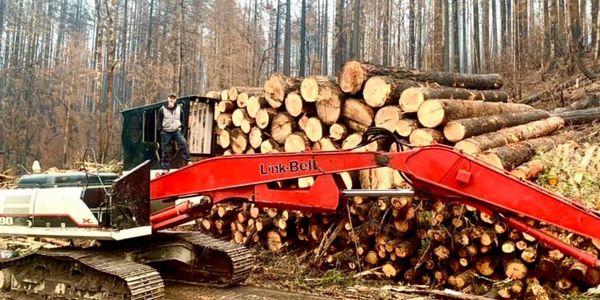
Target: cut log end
(454, 132)
(426, 136)
(309, 89)
(352, 76)
(411, 99)
(296, 142)
(313, 129)
(467, 147)
(431, 114)
(293, 104)
(376, 91)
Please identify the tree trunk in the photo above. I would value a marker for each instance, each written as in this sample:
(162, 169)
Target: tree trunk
(287, 41)
(458, 130)
(339, 36)
(580, 116)
(476, 47)
(438, 36)
(485, 35)
(354, 74)
(455, 48)
(433, 113)
(505, 136)
(411, 98)
(303, 45)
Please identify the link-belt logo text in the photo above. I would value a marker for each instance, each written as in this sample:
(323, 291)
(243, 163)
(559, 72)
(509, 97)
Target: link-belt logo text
(288, 167)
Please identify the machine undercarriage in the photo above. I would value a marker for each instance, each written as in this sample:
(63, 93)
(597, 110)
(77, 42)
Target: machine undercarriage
(133, 269)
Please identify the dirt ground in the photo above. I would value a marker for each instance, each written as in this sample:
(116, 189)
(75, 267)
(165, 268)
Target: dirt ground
(180, 291)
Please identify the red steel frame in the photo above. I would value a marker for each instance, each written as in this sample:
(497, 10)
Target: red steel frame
(438, 170)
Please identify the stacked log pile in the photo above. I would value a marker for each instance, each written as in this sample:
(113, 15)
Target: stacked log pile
(405, 238)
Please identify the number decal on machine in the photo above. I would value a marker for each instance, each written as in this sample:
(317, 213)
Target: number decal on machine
(6, 221)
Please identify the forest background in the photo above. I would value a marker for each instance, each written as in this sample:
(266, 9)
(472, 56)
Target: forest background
(68, 67)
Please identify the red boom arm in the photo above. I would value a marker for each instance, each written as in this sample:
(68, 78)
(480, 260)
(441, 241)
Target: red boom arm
(438, 170)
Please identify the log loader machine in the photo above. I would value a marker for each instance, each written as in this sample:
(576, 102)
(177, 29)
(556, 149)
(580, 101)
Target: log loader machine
(137, 252)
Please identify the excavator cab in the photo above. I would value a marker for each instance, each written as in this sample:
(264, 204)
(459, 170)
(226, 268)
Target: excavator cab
(140, 136)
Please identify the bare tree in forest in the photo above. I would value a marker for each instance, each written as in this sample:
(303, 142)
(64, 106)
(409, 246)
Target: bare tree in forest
(356, 25)
(418, 34)
(386, 32)
(465, 38)
(494, 36)
(411, 33)
(596, 12)
(287, 39)
(455, 41)
(485, 34)
(325, 54)
(447, 37)
(303, 40)
(99, 74)
(438, 37)
(339, 36)
(277, 35)
(476, 47)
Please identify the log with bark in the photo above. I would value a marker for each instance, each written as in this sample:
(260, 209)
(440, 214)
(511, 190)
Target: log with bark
(413, 97)
(436, 112)
(512, 155)
(583, 116)
(353, 75)
(509, 135)
(528, 170)
(457, 130)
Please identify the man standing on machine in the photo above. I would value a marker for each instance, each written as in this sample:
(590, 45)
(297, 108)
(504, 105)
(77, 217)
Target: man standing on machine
(170, 121)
